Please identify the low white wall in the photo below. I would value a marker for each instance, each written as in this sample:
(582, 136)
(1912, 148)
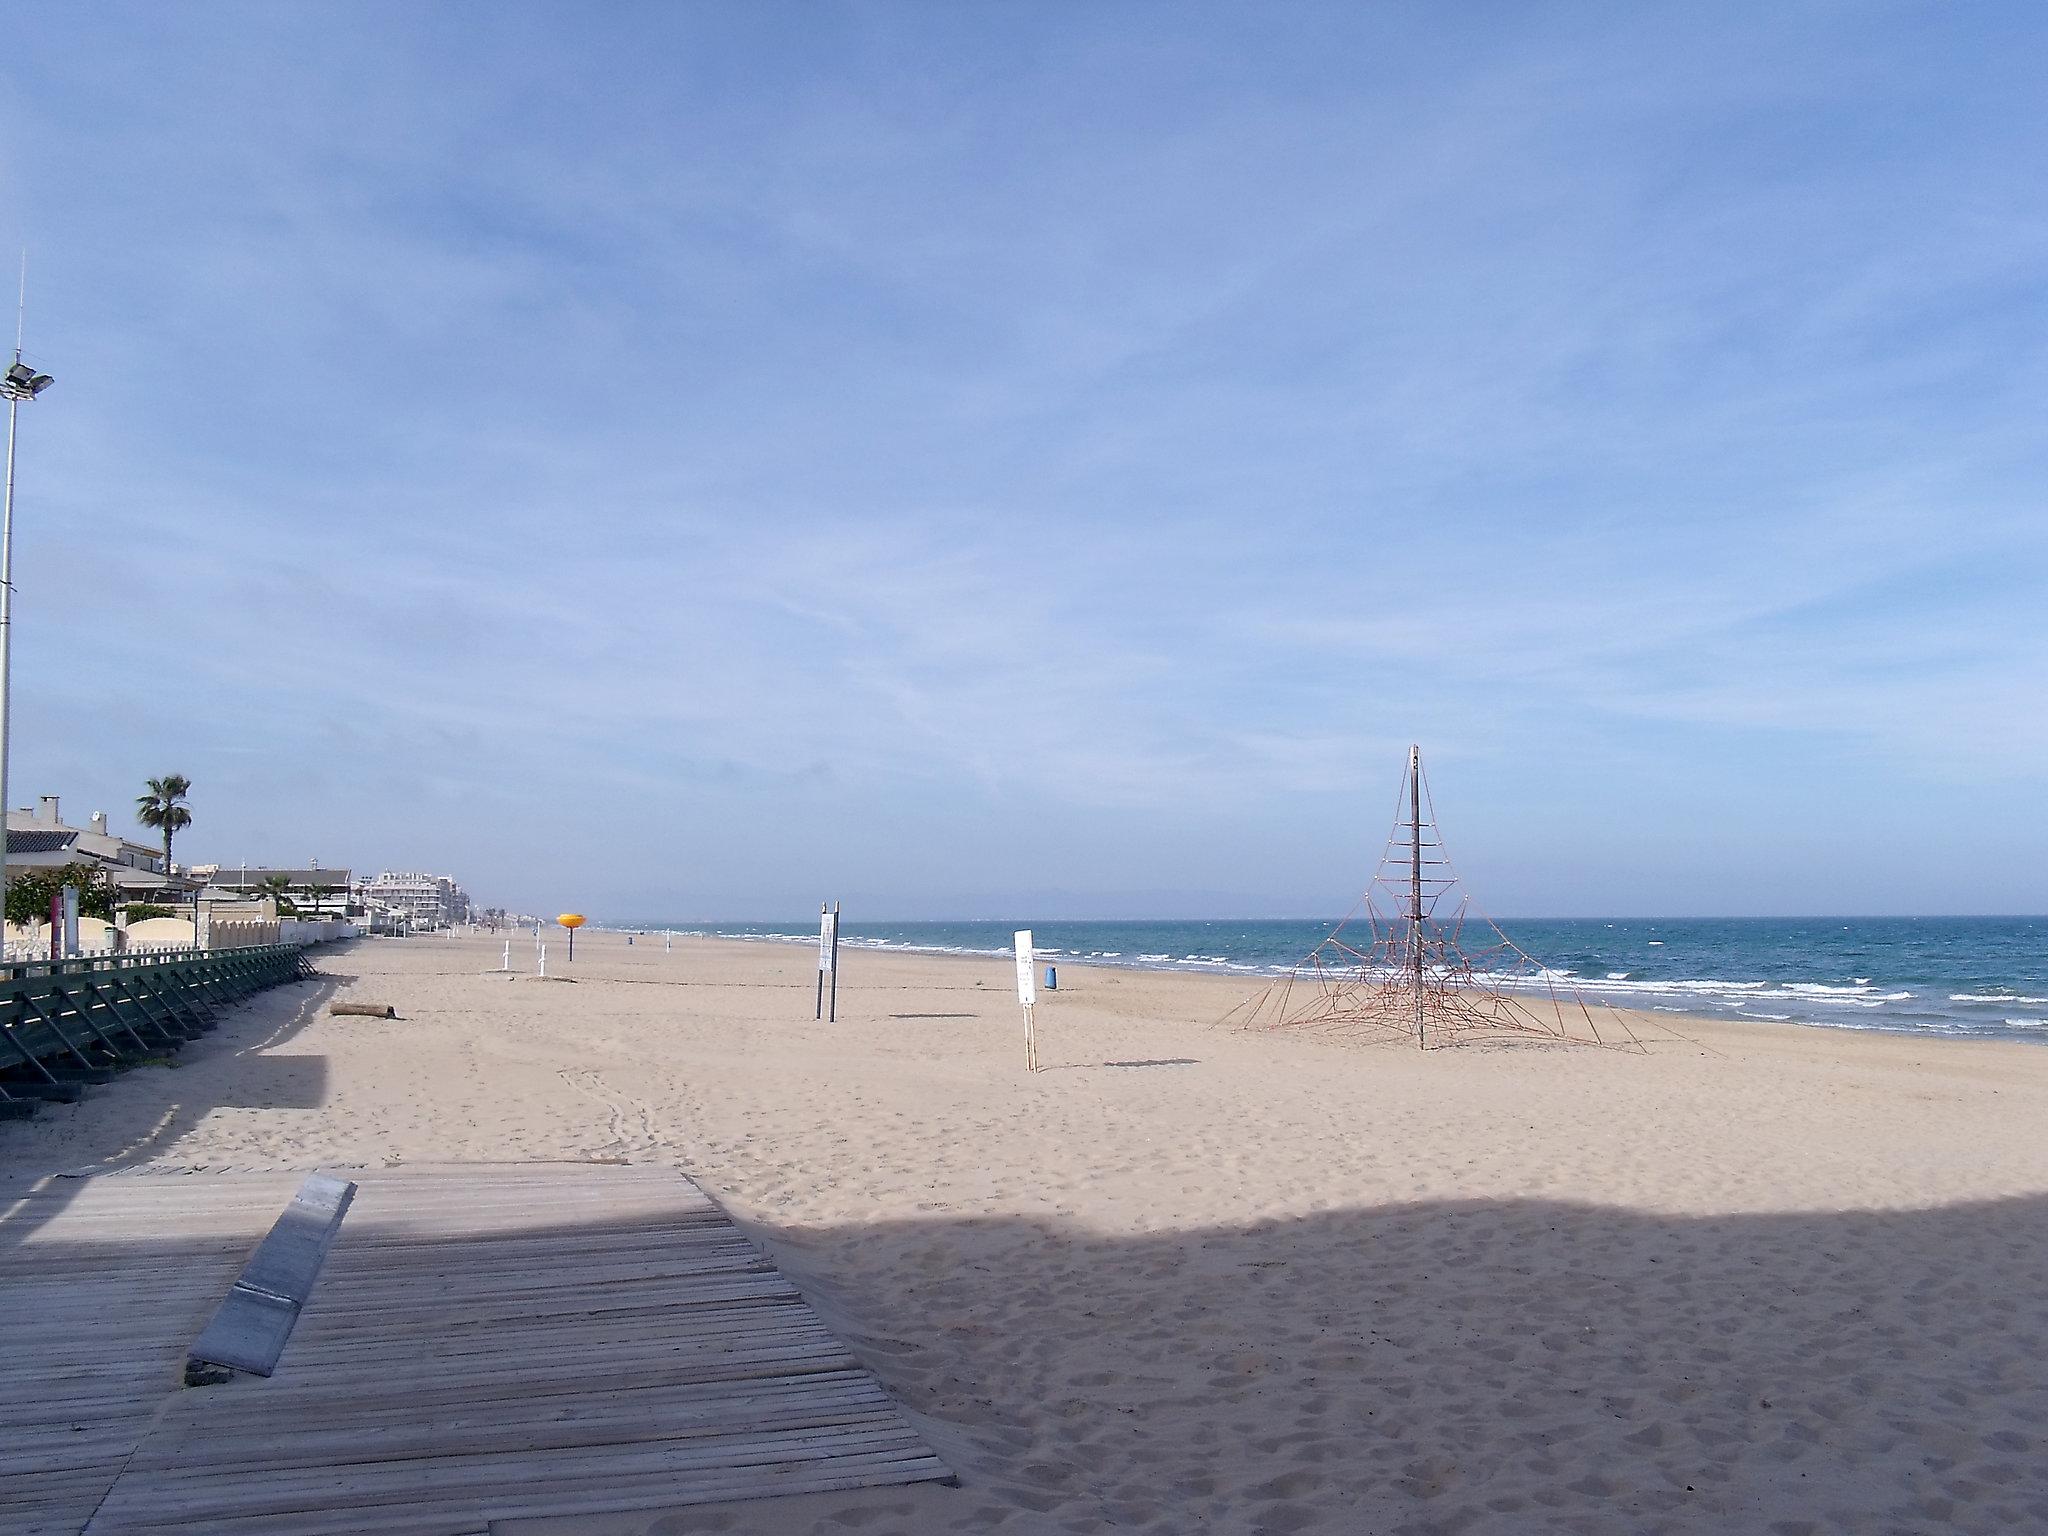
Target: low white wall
(237, 933)
(160, 933)
(293, 930)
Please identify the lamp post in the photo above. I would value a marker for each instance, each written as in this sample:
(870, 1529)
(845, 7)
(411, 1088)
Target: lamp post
(20, 382)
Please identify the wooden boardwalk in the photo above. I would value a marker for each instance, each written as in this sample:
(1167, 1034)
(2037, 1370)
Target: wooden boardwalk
(486, 1342)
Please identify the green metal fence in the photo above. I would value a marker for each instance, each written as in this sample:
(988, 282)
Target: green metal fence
(65, 1024)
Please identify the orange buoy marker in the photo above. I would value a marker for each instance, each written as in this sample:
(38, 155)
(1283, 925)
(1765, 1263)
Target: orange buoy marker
(571, 921)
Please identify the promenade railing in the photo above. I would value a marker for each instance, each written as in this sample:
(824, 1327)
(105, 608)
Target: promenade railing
(66, 1024)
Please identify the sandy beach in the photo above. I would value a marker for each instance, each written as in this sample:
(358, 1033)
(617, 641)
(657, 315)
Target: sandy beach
(1778, 1279)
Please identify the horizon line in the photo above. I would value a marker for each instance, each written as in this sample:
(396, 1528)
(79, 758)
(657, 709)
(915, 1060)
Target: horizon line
(1703, 917)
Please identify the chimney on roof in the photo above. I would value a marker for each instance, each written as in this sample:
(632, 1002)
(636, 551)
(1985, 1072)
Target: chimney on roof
(99, 822)
(46, 810)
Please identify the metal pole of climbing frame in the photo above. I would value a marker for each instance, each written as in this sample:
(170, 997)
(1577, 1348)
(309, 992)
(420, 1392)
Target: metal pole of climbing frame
(1415, 881)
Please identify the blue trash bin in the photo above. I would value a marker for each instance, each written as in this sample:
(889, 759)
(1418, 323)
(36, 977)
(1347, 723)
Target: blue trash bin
(1052, 978)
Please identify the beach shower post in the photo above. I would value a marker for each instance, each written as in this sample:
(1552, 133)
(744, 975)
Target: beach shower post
(1027, 994)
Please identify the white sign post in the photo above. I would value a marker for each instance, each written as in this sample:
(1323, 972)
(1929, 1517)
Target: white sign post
(828, 960)
(1027, 995)
(70, 921)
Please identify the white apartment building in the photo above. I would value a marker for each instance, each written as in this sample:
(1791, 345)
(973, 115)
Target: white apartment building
(425, 901)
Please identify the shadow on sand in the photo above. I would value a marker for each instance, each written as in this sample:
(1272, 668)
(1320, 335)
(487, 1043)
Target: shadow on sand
(1492, 1366)
(149, 1109)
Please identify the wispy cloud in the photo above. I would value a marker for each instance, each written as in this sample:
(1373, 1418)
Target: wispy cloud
(707, 453)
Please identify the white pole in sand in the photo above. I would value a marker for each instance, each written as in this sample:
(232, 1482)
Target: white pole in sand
(668, 941)
(506, 965)
(828, 951)
(1027, 994)
(543, 960)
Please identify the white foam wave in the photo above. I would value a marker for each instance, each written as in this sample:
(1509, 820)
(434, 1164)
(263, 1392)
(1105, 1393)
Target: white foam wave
(1856, 1004)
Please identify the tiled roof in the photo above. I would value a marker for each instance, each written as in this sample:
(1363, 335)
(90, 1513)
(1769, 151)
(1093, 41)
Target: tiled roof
(123, 878)
(40, 839)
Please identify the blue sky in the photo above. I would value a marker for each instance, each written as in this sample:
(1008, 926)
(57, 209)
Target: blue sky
(1044, 460)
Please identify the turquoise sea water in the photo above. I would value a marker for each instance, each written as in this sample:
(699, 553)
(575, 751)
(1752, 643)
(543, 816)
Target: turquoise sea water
(1985, 976)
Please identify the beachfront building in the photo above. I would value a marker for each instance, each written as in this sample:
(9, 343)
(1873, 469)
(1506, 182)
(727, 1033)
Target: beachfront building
(39, 838)
(423, 901)
(313, 893)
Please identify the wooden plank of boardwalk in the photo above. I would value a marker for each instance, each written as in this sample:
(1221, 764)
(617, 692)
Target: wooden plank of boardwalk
(104, 1282)
(493, 1342)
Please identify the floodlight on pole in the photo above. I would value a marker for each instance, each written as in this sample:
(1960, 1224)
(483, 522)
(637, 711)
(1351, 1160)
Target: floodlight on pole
(20, 382)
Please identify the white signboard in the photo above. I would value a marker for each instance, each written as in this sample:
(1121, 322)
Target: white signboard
(1027, 986)
(827, 923)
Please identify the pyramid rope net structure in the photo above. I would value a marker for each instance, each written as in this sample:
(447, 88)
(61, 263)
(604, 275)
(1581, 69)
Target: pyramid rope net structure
(1417, 962)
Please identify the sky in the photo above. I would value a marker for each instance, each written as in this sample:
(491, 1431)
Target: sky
(688, 461)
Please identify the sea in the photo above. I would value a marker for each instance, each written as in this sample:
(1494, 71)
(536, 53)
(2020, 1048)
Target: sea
(1968, 976)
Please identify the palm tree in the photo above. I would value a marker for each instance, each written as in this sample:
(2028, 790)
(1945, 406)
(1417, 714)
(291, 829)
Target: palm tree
(160, 808)
(275, 887)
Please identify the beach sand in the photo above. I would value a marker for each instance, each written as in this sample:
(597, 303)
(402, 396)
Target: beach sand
(1782, 1280)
